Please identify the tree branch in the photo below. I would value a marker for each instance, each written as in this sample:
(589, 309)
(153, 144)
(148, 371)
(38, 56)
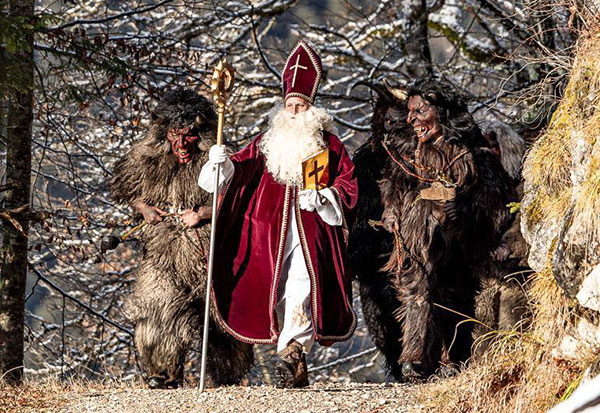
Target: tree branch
(115, 17)
(78, 302)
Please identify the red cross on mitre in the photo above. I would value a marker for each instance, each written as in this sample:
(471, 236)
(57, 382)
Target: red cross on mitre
(301, 75)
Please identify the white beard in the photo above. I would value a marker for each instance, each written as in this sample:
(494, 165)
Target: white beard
(292, 138)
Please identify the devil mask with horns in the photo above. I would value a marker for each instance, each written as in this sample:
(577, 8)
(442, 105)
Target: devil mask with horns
(157, 178)
(442, 196)
(183, 143)
(180, 120)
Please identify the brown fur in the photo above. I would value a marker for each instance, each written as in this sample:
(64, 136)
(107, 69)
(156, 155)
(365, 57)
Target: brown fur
(434, 260)
(510, 143)
(501, 303)
(432, 263)
(167, 303)
(370, 245)
(436, 263)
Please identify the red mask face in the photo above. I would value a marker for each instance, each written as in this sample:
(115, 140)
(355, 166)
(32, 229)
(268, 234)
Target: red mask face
(183, 143)
(422, 115)
(492, 142)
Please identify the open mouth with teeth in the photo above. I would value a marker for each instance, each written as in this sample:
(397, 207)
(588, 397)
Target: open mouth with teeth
(421, 131)
(183, 155)
(183, 143)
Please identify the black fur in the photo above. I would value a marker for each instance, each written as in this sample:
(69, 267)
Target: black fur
(439, 248)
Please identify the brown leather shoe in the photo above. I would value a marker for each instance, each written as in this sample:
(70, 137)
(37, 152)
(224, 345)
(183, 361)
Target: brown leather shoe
(290, 368)
(301, 377)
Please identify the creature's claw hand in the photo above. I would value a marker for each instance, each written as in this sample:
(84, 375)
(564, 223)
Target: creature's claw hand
(451, 211)
(189, 218)
(205, 212)
(153, 215)
(390, 222)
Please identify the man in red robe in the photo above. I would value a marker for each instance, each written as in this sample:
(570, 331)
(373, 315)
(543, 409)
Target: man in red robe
(280, 274)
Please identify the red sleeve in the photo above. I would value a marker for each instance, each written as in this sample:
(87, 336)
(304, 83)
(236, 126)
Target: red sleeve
(345, 183)
(247, 162)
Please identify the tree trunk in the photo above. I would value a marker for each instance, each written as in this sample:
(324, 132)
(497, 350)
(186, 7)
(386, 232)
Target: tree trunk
(415, 38)
(13, 270)
(418, 44)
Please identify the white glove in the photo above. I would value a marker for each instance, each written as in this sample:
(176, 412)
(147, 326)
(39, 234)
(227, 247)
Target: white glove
(217, 154)
(324, 202)
(308, 199)
(217, 158)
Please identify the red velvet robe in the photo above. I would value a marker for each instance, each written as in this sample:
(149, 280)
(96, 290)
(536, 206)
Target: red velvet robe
(252, 225)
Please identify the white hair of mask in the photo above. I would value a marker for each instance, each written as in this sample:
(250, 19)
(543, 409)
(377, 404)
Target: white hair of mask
(292, 138)
(512, 146)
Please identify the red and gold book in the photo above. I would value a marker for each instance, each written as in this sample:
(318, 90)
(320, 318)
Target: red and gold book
(315, 170)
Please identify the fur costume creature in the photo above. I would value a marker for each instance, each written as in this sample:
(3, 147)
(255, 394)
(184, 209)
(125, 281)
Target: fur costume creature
(501, 302)
(369, 244)
(157, 177)
(441, 241)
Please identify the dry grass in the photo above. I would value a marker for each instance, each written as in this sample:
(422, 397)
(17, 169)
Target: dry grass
(548, 163)
(586, 79)
(587, 207)
(523, 371)
(519, 372)
(547, 166)
(49, 395)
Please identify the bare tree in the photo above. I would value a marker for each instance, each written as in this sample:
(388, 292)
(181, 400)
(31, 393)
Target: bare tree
(100, 67)
(13, 270)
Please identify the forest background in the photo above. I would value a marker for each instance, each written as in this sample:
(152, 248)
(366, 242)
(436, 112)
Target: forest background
(78, 79)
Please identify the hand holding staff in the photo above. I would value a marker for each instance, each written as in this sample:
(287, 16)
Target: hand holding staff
(221, 85)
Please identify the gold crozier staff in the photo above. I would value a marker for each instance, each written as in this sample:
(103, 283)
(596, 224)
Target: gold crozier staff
(222, 85)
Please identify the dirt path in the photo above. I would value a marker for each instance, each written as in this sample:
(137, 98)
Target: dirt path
(319, 397)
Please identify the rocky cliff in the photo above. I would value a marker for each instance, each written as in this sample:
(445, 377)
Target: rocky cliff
(561, 206)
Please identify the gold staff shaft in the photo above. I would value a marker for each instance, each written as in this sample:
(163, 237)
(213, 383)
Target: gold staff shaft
(220, 121)
(222, 85)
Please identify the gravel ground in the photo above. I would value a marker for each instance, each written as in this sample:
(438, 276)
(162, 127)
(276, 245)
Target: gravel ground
(319, 397)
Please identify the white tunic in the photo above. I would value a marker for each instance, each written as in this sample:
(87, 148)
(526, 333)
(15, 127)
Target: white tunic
(293, 305)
